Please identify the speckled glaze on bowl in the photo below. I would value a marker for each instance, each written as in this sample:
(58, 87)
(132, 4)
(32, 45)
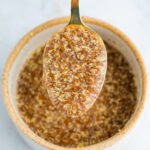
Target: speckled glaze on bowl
(40, 35)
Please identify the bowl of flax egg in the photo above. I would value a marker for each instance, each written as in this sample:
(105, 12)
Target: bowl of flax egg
(114, 113)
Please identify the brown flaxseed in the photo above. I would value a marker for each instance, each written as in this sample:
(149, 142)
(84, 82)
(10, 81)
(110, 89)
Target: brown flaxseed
(74, 63)
(108, 115)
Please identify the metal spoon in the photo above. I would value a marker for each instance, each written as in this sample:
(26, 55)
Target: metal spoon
(74, 66)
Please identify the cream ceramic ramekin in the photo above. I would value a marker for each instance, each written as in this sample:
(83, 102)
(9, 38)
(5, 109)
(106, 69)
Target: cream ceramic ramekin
(40, 35)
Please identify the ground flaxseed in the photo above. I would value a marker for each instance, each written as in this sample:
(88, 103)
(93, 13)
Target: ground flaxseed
(108, 115)
(74, 63)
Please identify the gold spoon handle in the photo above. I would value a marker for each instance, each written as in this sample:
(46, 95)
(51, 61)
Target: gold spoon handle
(75, 13)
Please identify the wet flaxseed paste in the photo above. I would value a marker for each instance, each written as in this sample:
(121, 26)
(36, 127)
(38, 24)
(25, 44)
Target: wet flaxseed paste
(74, 69)
(111, 111)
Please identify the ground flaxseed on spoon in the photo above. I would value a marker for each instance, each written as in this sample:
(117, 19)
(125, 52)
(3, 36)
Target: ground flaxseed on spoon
(74, 63)
(108, 115)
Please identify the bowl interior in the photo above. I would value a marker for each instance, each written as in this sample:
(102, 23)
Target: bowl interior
(43, 36)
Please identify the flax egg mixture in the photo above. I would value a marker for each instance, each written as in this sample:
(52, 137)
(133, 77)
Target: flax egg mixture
(75, 62)
(109, 114)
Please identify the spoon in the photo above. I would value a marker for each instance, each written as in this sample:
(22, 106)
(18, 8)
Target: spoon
(74, 66)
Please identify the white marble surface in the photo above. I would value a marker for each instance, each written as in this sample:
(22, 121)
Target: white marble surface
(17, 17)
